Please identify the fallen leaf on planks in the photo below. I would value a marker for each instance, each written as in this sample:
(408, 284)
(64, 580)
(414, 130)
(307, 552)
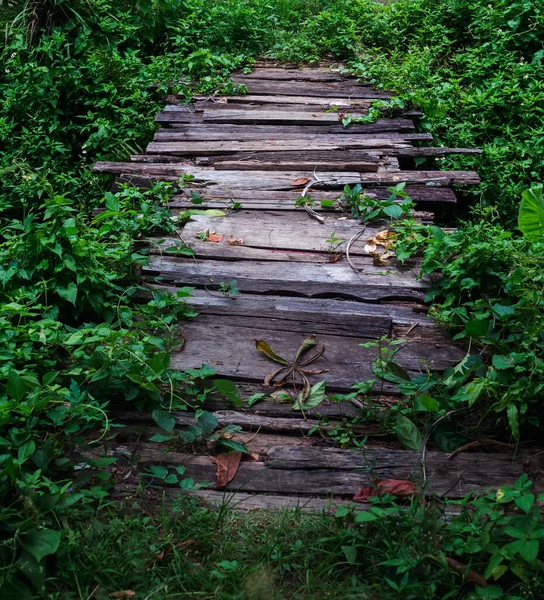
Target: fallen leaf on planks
(235, 242)
(214, 237)
(123, 594)
(301, 181)
(396, 487)
(227, 467)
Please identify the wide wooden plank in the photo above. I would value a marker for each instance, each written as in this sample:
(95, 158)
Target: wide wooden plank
(271, 229)
(456, 478)
(206, 131)
(230, 350)
(331, 310)
(301, 88)
(216, 197)
(344, 103)
(270, 117)
(338, 280)
(196, 148)
(302, 74)
(308, 107)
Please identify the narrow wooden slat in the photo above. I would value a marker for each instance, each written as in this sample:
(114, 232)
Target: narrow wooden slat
(270, 117)
(308, 107)
(344, 103)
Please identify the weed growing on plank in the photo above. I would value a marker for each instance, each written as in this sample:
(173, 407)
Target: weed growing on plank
(364, 207)
(229, 289)
(334, 244)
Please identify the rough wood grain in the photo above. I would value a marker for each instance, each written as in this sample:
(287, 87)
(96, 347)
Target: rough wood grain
(466, 473)
(301, 88)
(206, 131)
(307, 107)
(216, 197)
(231, 351)
(195, 148)
(309, 280)
(302, 74)
(214, 303)
(343, 103)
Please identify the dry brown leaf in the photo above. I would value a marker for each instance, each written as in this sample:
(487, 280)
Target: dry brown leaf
(253, 456)
(396, 487)
(235, 242)
(123, 594)
(370, 248)
(214, 237)
(301, 181)
(461, 568)
(227, 467)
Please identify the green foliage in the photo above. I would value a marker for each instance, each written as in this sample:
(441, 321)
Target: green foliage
(364, 207)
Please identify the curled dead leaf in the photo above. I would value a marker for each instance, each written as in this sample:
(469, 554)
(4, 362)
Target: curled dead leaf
(300, 181)
(227, 467)
(396, 487)
(459, 567)
(214, 237)
(253, 456)
(235, 242)
(370, 248)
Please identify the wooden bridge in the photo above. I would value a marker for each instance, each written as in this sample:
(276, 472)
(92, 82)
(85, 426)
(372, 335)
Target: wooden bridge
(263, 150)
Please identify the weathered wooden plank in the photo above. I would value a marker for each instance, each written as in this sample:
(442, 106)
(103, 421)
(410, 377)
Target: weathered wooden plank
(456, 478)
(230, 350)
(302, 74)
(309, 280)
(196, 148)
(319, 90)
(212, 303)
(270, 117)
(178, 117)
(344, 103)
(206, 131)
(338, 160)
(272, 230)
(258, 180)
(308, 107)
(215, 197)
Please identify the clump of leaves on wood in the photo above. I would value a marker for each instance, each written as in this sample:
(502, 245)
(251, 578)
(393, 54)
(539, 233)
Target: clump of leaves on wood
(296, 370)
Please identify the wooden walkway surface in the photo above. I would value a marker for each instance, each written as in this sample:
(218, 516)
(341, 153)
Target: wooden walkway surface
(262, 150)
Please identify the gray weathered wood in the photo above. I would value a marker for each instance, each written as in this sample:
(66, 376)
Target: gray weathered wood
(465, 473)
(343, 103)
(215, 197)
(270, 117)
(302, 88)
(302, 74)
(214, 303)
(206, 131)
(230, 350)
(308, 107)
(196, 148)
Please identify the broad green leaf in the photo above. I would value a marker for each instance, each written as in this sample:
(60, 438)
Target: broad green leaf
(513, 419)
(426, 403)
(15, 387)
(158, 471)
(255, 398)
(40, 542)
(207, 421)
(470, 392)
(263, 347)
(164, 419)
(525, 502)
(365, 516)
(448, 438)
(307, 344)
(501, 311)
(232, 445)
(531, 212)
(501, 362)
(394, 211)
(315, 397)
(25, 451)
(350, 552)
(228, 389)
(69, 293)
(477, 327)
(408, 433)
(529, 551)
(161, 437)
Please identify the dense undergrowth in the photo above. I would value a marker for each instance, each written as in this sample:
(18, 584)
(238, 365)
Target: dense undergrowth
(81, 81)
